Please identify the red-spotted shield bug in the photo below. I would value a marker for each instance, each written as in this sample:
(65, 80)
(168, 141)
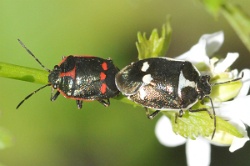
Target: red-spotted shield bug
(81, 78)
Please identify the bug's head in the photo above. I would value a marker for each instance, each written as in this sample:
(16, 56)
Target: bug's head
(203, 86)
(54, 77)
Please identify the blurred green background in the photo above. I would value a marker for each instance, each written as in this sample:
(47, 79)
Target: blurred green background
(47, 133)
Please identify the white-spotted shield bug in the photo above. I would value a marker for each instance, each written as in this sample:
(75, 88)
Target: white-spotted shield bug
(165, 84)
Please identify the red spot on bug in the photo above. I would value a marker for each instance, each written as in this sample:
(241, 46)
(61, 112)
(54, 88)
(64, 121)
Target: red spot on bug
(102, 76)
(63, 60)
(103, 88)
(71, 73)
(104, 66)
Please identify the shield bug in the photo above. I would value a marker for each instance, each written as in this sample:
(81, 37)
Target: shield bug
(165, 84)
(81, 78)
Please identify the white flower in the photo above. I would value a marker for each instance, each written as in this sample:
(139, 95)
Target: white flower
(207, 45)
(235, 111)
(198, 151)
(240, 102)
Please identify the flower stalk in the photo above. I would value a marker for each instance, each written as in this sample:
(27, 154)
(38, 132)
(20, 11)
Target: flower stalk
(23, 73)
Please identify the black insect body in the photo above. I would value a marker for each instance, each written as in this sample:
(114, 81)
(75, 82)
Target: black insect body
(81, 78)
(164, 84)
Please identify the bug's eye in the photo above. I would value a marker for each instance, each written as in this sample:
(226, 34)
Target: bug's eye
(207, 77)
(55, 86)
(56, 67)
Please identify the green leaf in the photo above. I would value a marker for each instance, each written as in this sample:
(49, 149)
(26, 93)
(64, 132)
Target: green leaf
(225, 92)
(155, 46)
(191, 125)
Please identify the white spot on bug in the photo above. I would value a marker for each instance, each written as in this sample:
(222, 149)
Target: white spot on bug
(183, 82)
(145, 67)
(142, 92)
(78, 80)
(147, 79)
(169, 89)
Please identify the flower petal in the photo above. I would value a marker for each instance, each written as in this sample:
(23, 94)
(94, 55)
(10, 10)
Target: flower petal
(213, 42)
(246, 83)
(207, 45)
(198, 152)
(234, 74)
(236, 109)
(165, 134)
(226, 63)
(197, 54)
(239, 142)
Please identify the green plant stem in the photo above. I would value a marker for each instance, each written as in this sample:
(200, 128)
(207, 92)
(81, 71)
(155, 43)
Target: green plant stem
(23, 73)
(239, 20)
(234, 14)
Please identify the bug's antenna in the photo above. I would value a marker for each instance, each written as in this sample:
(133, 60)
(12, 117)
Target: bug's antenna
(33, 55)
(31, 95)
(233, 80)
(211, 101)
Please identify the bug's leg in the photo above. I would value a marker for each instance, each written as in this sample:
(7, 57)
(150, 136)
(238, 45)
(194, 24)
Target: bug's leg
(79, 104)
(105, 103)
(54, 97)
(153, 115)
(202, 109)
(179, 114)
